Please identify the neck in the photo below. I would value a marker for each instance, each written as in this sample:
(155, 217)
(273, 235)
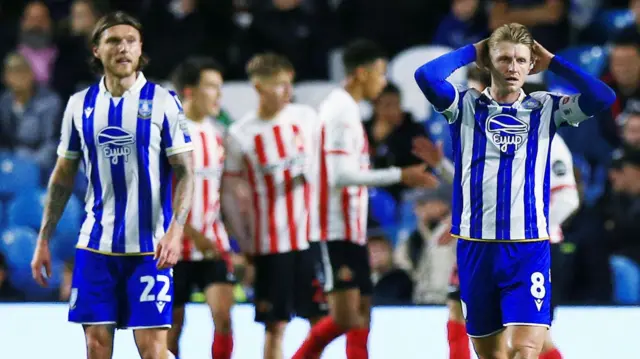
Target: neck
(354, 90)
(117, 86)
(22, 97)
(267, 111)
(191, 112)
(503, 95)
(382, 128)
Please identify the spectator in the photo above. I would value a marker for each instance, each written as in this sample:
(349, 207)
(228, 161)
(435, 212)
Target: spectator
(429, 253)
(7, 292)
(466, 24)
(72, 72)
(623, 211)
(391, 285)
(624, 77)
(547, 19)
(630, 122)
(390, 131)
(634, 6)
(29, 114)
(35, 40)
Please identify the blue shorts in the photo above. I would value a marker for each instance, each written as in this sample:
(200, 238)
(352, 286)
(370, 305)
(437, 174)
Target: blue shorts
(503, 284)
(129, 292)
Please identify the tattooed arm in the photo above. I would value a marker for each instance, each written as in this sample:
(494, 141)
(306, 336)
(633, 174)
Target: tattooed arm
(182, 164)
(58, 194)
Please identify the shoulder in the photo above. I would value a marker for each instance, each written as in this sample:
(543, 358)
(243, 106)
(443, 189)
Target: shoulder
(546, 97)
(165, 96)
(300, 111)
(339, 100)
(240, 126)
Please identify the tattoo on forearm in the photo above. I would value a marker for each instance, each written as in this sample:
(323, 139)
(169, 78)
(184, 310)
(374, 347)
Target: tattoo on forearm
(58, 194)
(183, 194)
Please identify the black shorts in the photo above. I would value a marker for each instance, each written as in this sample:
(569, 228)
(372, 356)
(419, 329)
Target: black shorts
(190, 275)
(286, 286)
(345, 266)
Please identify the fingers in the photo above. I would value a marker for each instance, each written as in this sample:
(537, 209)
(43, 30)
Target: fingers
(156, 255)
(168, 257)
(36, 272)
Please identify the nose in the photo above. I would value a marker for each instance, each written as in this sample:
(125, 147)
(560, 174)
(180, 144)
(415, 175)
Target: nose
(512, 66)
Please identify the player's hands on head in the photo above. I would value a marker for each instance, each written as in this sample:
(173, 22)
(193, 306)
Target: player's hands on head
(41, 259)
(168, 250)
(482, 54)
(417, 176)
(541, 57)
(427, 151)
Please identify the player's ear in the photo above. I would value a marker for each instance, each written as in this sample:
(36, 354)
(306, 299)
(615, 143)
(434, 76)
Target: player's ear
(187, 92)
(94, 50)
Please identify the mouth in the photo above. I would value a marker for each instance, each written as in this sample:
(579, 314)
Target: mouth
(511, 79)
(123, 61)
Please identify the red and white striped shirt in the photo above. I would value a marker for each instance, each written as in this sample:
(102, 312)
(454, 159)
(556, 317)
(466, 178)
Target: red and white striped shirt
(564, 199)
(208, 162)
(340, 212)
(274, 157)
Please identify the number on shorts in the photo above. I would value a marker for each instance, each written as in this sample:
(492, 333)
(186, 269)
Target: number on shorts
(537, 285)
(150, 282)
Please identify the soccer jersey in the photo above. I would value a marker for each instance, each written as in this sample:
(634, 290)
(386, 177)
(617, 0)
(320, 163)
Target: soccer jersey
(340, 213)
(563, 199)
(275, 157)
(502, 162)
(125, 143)
(208, 163)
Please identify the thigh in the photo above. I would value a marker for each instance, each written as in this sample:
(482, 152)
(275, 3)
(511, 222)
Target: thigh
(149, 294)
(183, 282)
(94, 289)
(525, 287)
(479, 293)
(362, 268)
(274, 287)
(337, 266)
(310, 299)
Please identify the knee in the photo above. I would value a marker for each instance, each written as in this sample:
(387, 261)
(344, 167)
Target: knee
(99, 345)
(154, 349)
(275, 330)
(222, 321)
(524, 351)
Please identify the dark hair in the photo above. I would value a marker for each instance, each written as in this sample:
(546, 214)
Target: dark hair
(189, 72)
(360, 53)
(268, 64)
(628, 37)
(110, 20)
(391, 89)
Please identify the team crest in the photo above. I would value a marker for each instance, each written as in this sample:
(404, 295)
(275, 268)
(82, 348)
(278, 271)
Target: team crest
(507, 132)
(145, 109)
(531, 103)
(115, 143)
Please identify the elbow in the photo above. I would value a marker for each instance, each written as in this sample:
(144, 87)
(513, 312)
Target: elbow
(608, 98)
(423, 75)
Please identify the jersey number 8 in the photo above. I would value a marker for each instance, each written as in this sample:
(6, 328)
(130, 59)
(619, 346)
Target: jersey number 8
(538, 290)
(150, 282)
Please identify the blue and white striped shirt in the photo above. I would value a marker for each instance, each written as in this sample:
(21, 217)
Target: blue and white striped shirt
(502, 160)
(125, 144)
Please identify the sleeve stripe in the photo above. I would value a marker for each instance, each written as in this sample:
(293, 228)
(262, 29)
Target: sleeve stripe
(179, 149)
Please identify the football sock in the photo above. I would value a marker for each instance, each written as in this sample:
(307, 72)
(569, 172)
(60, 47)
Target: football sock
(357, 343)
(321, 334)
(458, 340)
(222, 346)
(551, 354)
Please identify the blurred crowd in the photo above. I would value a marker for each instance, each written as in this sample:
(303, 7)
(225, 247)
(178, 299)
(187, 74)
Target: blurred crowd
(44, 49)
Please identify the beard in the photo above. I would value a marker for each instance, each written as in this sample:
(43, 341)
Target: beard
(122, 71)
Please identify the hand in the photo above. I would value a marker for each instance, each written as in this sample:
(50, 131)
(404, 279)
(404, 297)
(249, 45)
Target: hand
(417, 176)
(542, 58)
(427, 151)
(202, 243)
(168, 249)
(41, 258)
(482, 54)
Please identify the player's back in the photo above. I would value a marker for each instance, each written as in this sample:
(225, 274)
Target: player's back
(340, 213)
(276, 157)
(501, 153)
(124, 143)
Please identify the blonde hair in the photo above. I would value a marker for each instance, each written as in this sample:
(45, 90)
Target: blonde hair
(514, 32)
(267, 65)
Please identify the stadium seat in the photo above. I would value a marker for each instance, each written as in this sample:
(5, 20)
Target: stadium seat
(382, 206)
(22, 280)
(2, 215)
(239, 98)
(312, 93)
(607, 24)
(437, 129)
(17, 244)
(407, 221)
(26, 210)
(592, 59)
(401, 70)
(17, 174)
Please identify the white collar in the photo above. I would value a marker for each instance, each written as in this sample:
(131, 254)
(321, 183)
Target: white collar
(137, 86)
(522, 96)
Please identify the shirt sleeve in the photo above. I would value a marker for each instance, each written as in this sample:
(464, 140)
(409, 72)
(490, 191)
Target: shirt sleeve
(175, 130)
(233, 164)
(70, 145)
(569, 111)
